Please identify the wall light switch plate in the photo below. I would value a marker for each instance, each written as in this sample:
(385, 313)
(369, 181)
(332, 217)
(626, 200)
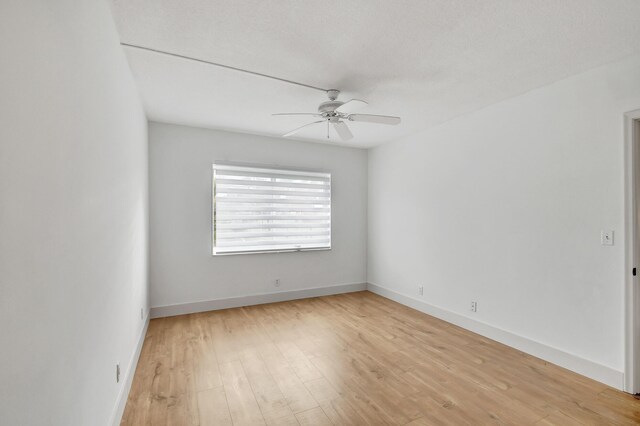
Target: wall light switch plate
(606, 238)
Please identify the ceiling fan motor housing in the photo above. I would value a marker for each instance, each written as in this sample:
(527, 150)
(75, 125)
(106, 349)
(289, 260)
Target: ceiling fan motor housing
(329, 106)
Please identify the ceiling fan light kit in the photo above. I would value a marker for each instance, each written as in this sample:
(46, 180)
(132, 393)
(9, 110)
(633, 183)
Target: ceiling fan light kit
(336, 113)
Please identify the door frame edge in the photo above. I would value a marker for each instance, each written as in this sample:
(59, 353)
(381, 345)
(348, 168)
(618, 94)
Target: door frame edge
(632, 251)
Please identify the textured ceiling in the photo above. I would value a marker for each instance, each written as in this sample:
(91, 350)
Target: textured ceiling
(425, 61)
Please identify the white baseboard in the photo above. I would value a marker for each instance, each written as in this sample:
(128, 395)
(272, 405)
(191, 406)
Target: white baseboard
(593, 370)
(121, 402)
(255, 299)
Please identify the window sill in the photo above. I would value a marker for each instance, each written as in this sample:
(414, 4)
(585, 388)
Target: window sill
(271, 251)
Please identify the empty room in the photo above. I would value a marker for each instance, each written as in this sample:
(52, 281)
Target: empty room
(284, 212)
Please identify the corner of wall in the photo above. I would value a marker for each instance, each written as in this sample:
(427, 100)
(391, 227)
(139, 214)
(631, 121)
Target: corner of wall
(591, 369)
(123, 395)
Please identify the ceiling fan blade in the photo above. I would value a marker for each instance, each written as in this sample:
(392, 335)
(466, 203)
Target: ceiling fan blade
(294, 131)
(343, 130)
(351, 106)
(369, 118)
(298, 113)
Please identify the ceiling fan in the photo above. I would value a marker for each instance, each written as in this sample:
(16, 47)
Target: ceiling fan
(338, 113)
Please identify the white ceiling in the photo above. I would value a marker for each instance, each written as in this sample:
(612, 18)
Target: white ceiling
(425, 61)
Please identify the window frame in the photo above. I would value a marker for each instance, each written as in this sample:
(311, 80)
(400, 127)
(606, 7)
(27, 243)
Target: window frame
(257, 168)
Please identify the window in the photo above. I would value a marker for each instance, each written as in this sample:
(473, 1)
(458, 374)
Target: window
(258, 210)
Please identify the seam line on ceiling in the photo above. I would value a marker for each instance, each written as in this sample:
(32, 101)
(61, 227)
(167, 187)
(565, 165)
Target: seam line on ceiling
(176, 55)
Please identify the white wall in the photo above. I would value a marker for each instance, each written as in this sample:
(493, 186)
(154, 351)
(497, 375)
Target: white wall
(73, 213)
(181, 265)
(505, 206)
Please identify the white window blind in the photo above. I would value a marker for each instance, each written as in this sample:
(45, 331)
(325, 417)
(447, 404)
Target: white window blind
(258, 209)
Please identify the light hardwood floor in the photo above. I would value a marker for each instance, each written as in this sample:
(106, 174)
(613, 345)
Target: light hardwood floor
(351, 359)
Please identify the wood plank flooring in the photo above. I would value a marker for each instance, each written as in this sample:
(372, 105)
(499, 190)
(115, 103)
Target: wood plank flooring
(351, 359)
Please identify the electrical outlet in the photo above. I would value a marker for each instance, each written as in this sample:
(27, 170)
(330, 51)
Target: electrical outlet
(277, 283)
(118, 373)
(474, 306)
(420, 290)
